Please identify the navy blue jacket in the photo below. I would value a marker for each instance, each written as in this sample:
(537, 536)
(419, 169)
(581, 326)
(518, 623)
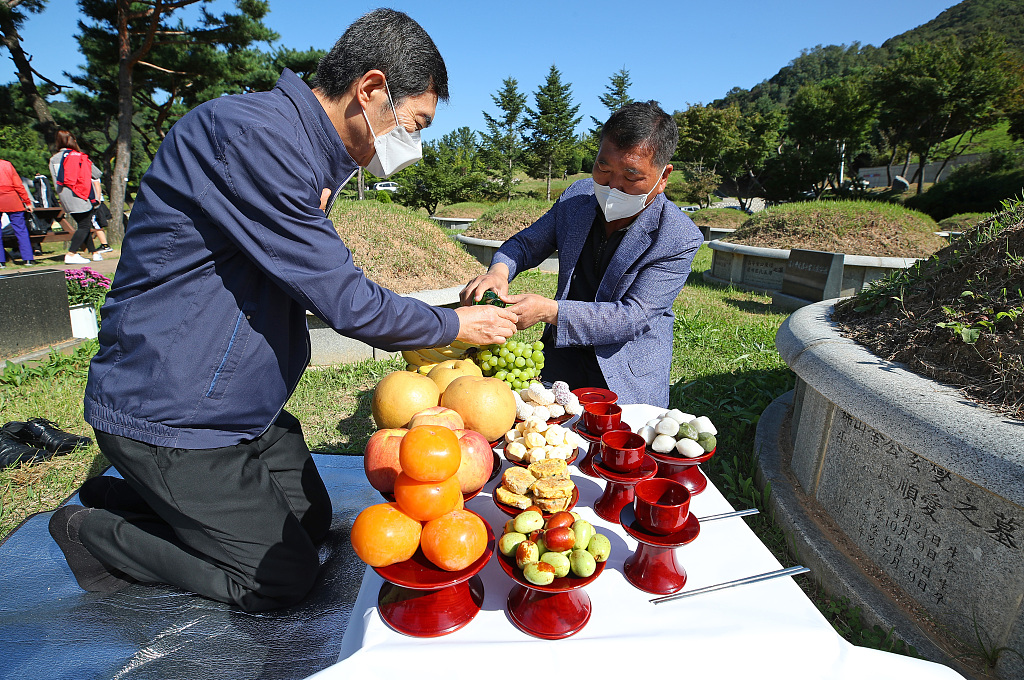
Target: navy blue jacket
(204, 332)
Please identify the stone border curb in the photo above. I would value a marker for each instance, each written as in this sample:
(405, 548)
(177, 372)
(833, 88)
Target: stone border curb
(979, 445)
(483, 250)
(848, 260)
(812, 548)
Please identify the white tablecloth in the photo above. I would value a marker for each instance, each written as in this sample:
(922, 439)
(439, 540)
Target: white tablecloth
(768, 629)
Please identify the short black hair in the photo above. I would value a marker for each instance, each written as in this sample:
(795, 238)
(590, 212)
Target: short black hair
(392, 42)
(646, 125)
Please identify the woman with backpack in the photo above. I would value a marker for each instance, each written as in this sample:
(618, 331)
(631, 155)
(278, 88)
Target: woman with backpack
(75, 177)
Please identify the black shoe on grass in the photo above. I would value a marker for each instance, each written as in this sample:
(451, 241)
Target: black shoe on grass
(44, 434)
(13, 451)
(91, 574)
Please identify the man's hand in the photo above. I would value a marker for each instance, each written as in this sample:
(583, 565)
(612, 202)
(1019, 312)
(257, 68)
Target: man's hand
(495, 279)
(531, 309)
(29, 208)
(485, 324)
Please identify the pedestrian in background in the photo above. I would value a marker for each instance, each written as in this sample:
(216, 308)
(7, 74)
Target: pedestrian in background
(73, 174)
(14, 203)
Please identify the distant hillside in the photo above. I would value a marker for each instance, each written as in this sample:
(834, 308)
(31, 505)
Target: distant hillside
(965, 20)
(968, 19)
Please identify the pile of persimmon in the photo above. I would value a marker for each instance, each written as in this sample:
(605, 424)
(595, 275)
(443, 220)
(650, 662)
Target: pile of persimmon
(428, 509)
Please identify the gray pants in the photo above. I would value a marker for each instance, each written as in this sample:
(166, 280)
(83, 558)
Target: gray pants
(236, 524)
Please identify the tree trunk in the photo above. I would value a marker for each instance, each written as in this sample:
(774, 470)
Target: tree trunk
(511, 176)
(125, 111)
(551, 163)
(12, 41)
(922, 161)
(842, 163)
(906, 164)
(361, 184)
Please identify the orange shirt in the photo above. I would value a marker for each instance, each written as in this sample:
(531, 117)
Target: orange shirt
(13, 197)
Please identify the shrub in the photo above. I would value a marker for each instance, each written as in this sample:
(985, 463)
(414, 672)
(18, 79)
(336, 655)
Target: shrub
(504, 220)
(383, 196)
(851, 227)
(977, 187)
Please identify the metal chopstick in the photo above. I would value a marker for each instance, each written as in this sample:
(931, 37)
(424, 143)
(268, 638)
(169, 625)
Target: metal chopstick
(726, 515)
(791, 571)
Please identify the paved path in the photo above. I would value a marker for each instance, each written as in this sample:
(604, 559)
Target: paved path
(56, 261)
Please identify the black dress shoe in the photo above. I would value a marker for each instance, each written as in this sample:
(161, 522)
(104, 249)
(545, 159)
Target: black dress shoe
(14, 451)
(45, 434)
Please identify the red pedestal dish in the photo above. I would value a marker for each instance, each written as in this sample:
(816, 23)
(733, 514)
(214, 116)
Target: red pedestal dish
(653, 568)
(594, 395)
(420, 599)
(586, 466)
(683, 470)
(550, 612)
(512, 512)
(619, 490)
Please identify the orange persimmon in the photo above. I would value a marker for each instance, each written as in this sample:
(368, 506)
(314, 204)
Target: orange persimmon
(454, 540)
(430, 453)
(383, 535)
(424, 501)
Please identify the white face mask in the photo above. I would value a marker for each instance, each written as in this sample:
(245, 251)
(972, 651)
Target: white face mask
(395, 150)
(617, 204)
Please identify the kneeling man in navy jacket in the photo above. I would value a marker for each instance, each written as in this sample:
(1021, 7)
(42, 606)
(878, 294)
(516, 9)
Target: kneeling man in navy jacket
(624, 252)
(204, 331)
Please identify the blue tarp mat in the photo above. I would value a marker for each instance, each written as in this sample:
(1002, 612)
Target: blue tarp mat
(51, 628)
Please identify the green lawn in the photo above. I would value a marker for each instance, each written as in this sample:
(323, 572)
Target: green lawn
(724, 366)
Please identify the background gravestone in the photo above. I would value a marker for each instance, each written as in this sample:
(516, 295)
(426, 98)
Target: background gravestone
(33, 311)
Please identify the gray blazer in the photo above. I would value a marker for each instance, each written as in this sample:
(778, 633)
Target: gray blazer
(630, 323)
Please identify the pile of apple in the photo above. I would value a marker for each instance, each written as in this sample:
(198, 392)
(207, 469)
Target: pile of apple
(428, 510)
(548, 550)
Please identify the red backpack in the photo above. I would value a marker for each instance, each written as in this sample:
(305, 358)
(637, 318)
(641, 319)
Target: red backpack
(75, 173)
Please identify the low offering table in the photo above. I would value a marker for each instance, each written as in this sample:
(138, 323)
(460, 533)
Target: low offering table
(767, 629)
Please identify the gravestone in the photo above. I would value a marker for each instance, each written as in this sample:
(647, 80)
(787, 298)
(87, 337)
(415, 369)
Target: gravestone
(33, 311)
(899, 184)
(813, 275)
(762, 272)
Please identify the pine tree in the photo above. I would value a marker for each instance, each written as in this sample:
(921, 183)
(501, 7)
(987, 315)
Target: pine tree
(13, 14)
(615, 97)
(503, 146)
(142, 58)
(552, 125)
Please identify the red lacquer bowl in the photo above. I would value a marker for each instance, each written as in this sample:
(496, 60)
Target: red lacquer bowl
(512, 512)
(422, 600)
(549, 612)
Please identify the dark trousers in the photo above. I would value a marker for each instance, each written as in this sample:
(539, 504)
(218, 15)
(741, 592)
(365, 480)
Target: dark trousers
(236, 524)
(20, 233)
(83, 233)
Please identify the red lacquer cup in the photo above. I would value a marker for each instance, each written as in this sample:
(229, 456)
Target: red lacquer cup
(599, 418)
(661, 505)
(622, 450)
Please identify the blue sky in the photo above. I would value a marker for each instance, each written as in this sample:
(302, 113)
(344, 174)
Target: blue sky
(677, 52)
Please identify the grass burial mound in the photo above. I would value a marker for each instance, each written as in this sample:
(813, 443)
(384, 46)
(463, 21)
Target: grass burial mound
(401, 250)
(468, 210)
(719, 218)
(503, 220)
(962, 221)
(850, 227)
(957, 317)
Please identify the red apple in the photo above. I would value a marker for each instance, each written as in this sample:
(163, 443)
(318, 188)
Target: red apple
(477, 460)
(380, 458)
(438, 415)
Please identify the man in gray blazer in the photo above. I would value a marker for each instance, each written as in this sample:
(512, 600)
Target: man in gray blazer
(624, 252)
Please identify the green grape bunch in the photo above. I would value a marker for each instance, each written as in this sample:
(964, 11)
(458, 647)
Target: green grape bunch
(517, 363)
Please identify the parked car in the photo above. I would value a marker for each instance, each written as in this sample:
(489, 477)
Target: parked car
(689, 208)
(386, 186)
